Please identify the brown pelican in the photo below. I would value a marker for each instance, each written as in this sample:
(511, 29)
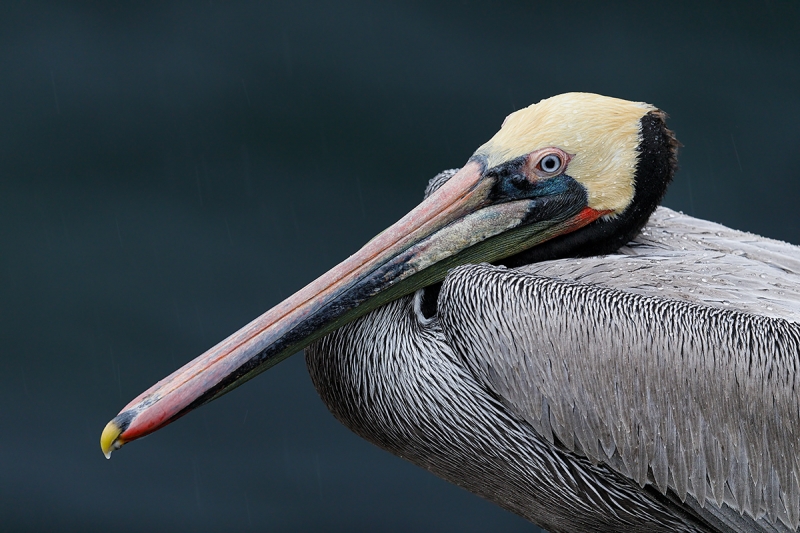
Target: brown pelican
(651, 390)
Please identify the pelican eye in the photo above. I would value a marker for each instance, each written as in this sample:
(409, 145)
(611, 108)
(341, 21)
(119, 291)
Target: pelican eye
(551, 163)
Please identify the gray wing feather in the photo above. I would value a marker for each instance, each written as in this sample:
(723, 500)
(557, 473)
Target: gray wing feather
(674, 362)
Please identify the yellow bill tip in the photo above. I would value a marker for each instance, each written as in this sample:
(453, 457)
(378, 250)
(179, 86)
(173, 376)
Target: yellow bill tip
(109, 440)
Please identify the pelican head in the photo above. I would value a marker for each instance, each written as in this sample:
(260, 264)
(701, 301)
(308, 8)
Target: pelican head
(575, 174)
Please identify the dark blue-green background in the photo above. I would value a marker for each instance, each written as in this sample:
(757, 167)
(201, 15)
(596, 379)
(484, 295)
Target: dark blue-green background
(169, 170)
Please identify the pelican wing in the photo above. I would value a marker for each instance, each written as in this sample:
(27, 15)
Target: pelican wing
(674, 362)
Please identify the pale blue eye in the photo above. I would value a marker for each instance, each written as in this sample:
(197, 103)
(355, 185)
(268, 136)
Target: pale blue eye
(550, 163)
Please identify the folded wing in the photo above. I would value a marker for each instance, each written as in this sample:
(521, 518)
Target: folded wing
(674, 362)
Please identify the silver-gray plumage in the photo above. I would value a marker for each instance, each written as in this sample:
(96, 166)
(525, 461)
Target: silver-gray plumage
(650, 390)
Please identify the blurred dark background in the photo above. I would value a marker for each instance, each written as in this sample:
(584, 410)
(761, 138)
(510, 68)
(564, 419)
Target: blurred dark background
(169, 170)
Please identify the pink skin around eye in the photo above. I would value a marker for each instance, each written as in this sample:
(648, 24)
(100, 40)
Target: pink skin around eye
(533, 166)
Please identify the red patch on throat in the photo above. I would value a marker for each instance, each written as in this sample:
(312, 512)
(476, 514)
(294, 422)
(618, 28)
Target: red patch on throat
(588, 215)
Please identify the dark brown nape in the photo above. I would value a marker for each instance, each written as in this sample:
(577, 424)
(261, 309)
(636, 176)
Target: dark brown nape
(657, 162)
